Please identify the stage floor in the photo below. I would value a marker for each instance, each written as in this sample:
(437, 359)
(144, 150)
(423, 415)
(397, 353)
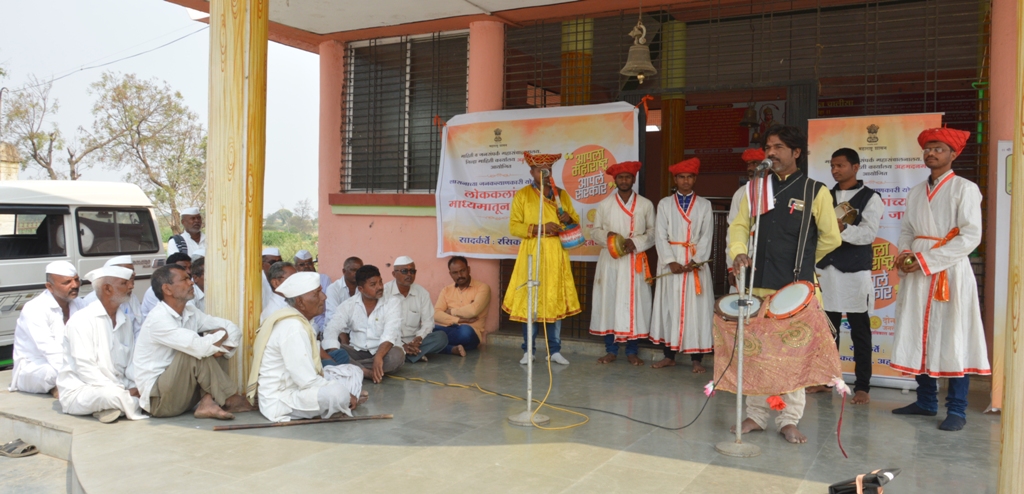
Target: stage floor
(456, 440)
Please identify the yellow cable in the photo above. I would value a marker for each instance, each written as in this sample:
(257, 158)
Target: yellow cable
(543, 402)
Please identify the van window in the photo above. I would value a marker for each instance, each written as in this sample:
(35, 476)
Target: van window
(27, 235)
(115, 231)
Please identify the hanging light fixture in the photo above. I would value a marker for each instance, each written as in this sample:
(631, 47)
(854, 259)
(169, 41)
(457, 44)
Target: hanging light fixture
(638, 62)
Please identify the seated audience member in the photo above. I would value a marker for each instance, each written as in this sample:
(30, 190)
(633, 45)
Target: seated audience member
(304, 263)
(96, 376)
(341, 290)
(368, 328)
(279, 272)
(132, 308)
(286, 372)
(461, 309)
(39, 332)
(149, 300)
(181, 356)
(271, 255)
(418, 338)
(199, 278)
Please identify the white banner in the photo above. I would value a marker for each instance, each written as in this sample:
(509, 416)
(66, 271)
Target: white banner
(891, 163)
(482, 167)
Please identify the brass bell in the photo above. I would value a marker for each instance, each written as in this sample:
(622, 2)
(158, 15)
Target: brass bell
(749, 117)
(638, 62)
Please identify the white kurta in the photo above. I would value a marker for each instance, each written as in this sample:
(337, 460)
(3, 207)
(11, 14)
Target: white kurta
(275, 304)
(336, 294)
(366, 332)
(320, 321)
(268, 291)
(289, 386)
(132, 310)
(852, 292)
(941, 339)
(39, 343)
(416, 309)
(190, 244)
(96, 374)
(622, 298)
(682, 318)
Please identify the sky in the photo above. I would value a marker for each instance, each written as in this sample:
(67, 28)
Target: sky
(50, 38)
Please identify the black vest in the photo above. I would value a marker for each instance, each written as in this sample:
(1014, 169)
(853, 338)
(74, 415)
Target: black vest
(849, 258)
(780, 232)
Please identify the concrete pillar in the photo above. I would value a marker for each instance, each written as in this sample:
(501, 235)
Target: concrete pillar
(673, 105)
(577, 61)
(1011, 463)
(235, 161)
(486, 93)
(332, 111)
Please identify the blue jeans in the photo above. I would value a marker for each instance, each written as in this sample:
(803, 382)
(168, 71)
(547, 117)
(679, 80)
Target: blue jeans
(459, 334)
(554, 335)
(956, 397)
(433, 343)
(338, 357)
(632, 346)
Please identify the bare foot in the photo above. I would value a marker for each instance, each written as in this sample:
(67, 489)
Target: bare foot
(238, 404)
(424, 359)
(861, 398)
(665, 362)
(458, 350)
(208, 409)
(607, 359)
(55, 393)
(817, 389)
(698, 368)
(633, 359)
(353, 402)
(793, 435)
(748, 426)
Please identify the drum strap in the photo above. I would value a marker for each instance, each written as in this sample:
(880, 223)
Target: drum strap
(942, 285)
(805, 227)
(693, 251)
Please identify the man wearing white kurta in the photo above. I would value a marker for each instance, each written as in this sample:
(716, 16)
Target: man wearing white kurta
(279, 272)
(304, 263)
(684, 301)
(199, 278)
(193, 236)
(39, 332)
(845, 273)
(286, 371)
(345, 287)
(149, 300)
(621, 309)
(938, 319)
(270, 256)
(181, 356)
(417, 311)
(132, 308)
(96, 376)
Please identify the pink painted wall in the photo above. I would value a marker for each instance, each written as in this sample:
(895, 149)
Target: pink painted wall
(332, 77)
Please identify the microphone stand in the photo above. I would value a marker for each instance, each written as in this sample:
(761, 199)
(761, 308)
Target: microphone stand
(737, 447)
(528, 418)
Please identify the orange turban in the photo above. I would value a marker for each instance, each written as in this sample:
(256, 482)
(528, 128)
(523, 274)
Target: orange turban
(753, 154)
(541, 159)
(956, 139)
(691, 165)
(630, 167)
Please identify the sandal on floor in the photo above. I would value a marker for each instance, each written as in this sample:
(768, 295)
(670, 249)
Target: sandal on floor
(18, 449)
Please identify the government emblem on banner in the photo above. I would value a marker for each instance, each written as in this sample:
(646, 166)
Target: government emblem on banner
(872, 134)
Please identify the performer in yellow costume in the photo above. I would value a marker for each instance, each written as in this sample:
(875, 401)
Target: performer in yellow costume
(557, 291)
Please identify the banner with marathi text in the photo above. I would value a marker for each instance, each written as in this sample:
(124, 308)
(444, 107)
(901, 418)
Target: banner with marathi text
(482, 167)
(891, 163)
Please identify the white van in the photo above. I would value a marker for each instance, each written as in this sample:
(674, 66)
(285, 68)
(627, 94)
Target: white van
(85, 223)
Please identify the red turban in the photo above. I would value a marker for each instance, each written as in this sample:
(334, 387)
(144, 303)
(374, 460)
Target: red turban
(541, 159)
(691, 165)
(956, 139)
(753, 154)
(630, 167)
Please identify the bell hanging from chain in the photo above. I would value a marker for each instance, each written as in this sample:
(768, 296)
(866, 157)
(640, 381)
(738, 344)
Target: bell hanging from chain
(749, 117)
(638, 62)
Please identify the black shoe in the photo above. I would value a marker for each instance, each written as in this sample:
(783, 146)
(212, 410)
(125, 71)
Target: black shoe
(953, 423)
(913, 409)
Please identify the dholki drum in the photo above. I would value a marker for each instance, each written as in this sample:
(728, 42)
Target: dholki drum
(790, 300)
(846, 213)
(728, 307)
(571, 236)
(616, 245)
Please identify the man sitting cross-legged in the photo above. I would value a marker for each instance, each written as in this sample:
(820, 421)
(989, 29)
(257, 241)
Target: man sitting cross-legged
(286, 371)
(367, 327)
(461, 309)
(181, 357)
(418, 336)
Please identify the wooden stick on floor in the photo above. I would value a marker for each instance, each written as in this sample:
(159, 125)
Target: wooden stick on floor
(300, 422)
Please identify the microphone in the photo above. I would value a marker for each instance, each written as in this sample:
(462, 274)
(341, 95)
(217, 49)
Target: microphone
(765, 165)
(545, 173)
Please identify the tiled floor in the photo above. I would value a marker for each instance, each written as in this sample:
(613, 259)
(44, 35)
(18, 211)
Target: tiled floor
(457, 440)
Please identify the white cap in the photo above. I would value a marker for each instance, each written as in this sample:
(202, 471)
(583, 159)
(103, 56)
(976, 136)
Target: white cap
(115, 261)
(402, 261)
(61, 268)
(272, 251)
(299, 284)
(303, 255)
(112, 271)
(189, 211)
(198, 254)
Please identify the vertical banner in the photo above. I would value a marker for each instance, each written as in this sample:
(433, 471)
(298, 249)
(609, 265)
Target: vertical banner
(999, 323)
(482, 167)
(891, 163)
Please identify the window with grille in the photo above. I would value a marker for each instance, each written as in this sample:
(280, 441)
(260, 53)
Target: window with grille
(397, 93)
